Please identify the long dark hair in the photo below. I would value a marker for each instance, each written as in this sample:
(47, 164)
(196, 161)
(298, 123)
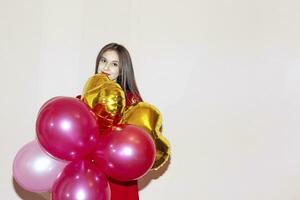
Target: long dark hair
(126, 76)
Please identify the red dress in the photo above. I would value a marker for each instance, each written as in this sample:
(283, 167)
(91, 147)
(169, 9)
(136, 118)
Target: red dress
(124, 191)
(127, 190)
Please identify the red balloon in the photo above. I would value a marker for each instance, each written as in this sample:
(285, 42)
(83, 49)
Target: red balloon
(81, 180)
(67, 128)
(125, 152)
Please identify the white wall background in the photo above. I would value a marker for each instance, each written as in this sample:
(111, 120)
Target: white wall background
(224, 73)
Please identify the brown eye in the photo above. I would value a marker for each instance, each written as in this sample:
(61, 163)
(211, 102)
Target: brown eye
(103, 60)
(116, 64)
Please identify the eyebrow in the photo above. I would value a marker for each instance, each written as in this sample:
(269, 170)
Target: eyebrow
(106, 59)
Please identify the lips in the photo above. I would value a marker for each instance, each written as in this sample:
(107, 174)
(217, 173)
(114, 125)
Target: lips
(107, 74)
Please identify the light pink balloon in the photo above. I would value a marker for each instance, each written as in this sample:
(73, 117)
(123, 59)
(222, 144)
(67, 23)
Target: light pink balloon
(34, 169)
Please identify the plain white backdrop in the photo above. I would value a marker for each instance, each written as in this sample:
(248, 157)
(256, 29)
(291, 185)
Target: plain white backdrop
(224, 73)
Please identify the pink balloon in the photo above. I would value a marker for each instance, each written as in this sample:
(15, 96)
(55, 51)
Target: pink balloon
(34, 169)
(67, 128)
(81, 180)
(125, 152)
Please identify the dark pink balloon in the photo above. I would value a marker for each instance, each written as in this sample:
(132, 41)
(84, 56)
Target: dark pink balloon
(81, 180)
(67, 128)
(125, 152)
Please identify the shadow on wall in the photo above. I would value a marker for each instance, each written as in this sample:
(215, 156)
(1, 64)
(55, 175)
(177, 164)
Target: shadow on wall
(26, 195)
(153, 175)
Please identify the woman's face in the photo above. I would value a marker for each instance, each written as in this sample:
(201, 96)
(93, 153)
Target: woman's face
(109, 64)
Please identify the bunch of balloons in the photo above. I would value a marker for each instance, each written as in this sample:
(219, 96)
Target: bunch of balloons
(82, 141)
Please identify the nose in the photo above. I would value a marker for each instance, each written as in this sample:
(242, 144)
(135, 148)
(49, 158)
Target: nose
(106, 66)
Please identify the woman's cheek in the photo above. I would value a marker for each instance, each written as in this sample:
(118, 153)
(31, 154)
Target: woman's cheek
(116, 72)
(100, 68)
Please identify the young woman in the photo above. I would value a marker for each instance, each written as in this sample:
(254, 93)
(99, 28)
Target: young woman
(114, 61)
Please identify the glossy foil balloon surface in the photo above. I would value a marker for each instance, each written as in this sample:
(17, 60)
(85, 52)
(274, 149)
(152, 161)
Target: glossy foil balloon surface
(67, 128)
(149, 118)
(92, 88)
(34, 169)
(106, 98)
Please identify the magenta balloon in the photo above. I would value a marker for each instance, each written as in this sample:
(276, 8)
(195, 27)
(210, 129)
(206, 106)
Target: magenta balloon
(34, 169)
(125, 152)
(67, 128)
(81, 180)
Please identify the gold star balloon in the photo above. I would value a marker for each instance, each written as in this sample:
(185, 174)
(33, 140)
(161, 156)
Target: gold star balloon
(92, 88)
(149, 118)
(106, 98)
